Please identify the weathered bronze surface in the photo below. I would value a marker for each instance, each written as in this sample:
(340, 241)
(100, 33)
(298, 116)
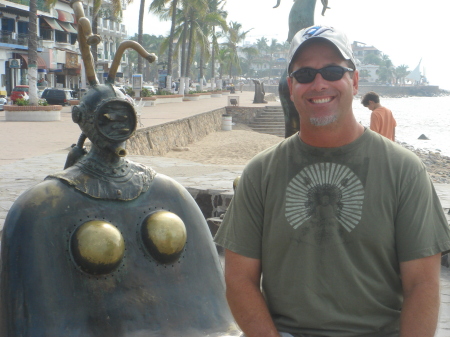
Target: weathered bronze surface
(108, 247)
(300, 16)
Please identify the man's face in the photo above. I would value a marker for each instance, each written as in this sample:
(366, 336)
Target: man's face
(322, 102)
(371, 105)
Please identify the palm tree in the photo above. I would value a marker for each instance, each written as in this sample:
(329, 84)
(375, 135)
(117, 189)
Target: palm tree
(218, 19)
(386, 70)
(234, 36)
(158, 7)
(250, 53)
(223, 58)
(400, 73)
(274, 47)
(261, 45)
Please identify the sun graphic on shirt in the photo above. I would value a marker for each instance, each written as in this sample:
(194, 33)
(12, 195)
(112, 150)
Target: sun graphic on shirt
(325, 193)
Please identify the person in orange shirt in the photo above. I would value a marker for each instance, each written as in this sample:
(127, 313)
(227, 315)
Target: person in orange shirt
(381, 120)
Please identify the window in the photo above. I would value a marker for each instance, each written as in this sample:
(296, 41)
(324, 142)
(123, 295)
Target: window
(60, 36)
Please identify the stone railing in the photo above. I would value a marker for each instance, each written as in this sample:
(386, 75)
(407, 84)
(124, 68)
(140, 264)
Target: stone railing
(160, 139)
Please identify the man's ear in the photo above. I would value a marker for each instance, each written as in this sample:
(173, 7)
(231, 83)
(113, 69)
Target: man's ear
(355, 82)
(289, 82)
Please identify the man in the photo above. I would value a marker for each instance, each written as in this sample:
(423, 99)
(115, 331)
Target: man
(344, 225)
(381, 119)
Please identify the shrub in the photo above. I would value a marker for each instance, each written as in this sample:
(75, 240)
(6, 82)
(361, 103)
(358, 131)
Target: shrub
(146, 93)
(22, 102)
(42, 102)
(130, 91)
(163, 92)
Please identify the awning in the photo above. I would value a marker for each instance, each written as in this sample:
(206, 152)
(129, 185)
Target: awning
(65, 16)
(67, 27)
(40, 61)
(52, 23)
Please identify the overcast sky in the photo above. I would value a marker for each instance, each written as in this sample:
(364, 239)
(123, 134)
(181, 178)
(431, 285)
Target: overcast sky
(407, 31)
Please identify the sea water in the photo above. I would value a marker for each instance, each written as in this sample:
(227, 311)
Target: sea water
(416, 116)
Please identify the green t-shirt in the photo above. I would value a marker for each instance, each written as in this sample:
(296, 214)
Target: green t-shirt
(330, 226)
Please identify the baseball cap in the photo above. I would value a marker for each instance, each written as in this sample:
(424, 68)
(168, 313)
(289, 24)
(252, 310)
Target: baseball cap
(336, 37)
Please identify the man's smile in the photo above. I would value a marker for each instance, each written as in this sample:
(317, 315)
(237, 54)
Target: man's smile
(320, 100)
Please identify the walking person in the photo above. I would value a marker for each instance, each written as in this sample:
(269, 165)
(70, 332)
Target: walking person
(344, 224)
(381, 119)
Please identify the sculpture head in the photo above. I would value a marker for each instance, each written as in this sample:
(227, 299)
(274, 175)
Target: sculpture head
(106, 117)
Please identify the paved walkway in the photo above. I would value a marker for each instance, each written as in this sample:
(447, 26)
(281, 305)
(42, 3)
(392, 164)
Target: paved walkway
(30, 151)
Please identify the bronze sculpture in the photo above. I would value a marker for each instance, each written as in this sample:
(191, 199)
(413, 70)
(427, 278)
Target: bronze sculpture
(109, 247)
(300, 16)
(259, 92)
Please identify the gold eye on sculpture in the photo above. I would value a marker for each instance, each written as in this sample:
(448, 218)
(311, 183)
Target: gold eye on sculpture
(164, 236)
(97, 247)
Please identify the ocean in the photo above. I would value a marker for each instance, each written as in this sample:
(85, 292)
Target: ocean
(416, 116)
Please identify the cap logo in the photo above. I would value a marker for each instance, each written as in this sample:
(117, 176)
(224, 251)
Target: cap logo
(315, 31)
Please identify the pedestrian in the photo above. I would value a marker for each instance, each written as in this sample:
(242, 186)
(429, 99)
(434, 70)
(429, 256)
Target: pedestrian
(344, 225)
(381, 119)
(241, 86)
(44, 82)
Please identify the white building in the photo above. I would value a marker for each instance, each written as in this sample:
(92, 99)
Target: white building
(59, 60)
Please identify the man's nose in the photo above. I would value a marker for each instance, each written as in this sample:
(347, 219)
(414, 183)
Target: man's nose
(319, 83)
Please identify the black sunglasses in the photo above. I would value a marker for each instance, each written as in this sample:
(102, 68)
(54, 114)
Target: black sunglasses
(330, 73)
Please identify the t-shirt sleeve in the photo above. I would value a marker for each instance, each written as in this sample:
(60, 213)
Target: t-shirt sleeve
(421, 228)
(241, 229)
(375, 122)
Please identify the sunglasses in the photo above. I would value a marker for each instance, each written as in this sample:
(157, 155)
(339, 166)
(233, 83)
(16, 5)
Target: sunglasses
(330, 73)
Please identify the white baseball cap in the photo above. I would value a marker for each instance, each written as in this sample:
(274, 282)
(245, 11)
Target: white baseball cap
(336, 37)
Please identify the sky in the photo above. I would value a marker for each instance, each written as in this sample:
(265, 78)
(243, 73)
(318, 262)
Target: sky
(407, 31)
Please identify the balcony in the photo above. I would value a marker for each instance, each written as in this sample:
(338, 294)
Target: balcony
(40, 4)
(17, 39)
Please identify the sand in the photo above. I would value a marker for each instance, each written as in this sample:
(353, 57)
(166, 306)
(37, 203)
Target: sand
(234, 147)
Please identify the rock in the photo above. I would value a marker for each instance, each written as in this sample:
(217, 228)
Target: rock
(423, 137)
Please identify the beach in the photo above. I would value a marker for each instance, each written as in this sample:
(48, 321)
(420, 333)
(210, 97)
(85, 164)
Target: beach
(242, 144)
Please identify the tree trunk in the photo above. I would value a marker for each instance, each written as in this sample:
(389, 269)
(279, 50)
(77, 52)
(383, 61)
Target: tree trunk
(183, 51)
(172, 31)
(190, 51)
(140, 34)
(213, 57)
(201, 70)
(32, 53)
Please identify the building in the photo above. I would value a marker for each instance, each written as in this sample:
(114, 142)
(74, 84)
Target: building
(59, 60)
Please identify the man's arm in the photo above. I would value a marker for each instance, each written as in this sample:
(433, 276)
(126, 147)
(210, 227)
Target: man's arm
(243, 277)
(420, 280)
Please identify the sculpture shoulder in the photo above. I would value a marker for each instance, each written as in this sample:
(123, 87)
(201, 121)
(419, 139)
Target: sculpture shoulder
(35, 202)
(42, 192)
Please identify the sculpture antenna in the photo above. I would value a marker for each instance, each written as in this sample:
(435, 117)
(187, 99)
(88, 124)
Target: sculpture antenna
(85, 39)
(119, 52)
